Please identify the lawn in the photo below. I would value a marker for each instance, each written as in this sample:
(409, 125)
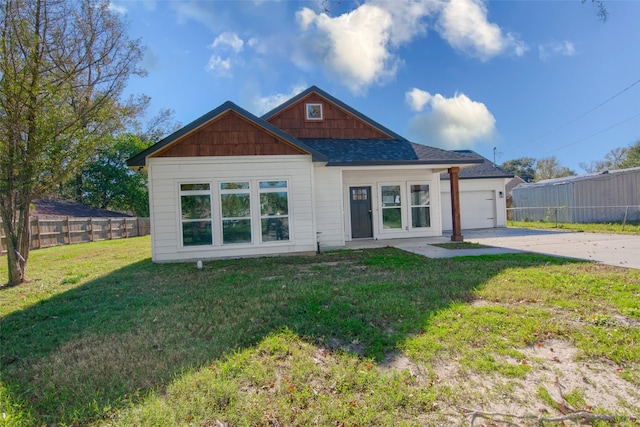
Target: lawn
(102, 336)
(631, 227)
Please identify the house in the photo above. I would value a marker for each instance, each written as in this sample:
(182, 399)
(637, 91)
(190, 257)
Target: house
(312, 172)
(483, 195)
(608, 196)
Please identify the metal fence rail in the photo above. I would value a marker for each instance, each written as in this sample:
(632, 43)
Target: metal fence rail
(47, 232)
(580, 215)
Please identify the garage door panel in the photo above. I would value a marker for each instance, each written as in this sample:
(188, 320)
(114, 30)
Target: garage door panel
(477, 210)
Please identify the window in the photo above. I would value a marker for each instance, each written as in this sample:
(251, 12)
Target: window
(314, 111)
(420, 206)
(235, 203)
(274, 211)
(195, 214)
(391, 207)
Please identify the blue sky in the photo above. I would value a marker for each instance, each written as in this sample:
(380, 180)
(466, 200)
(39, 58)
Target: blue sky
(530, 78)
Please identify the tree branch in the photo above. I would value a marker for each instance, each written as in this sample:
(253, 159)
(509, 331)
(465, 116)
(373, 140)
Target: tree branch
(583, 416)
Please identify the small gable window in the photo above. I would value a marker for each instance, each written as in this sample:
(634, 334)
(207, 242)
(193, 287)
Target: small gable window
(314, 111)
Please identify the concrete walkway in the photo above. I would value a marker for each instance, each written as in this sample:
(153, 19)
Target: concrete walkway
(611, 249)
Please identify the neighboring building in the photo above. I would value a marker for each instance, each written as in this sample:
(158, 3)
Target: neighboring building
(482, 195)
(599, 197)
(56, 208)
(312, 171)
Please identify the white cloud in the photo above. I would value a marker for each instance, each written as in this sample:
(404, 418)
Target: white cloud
(464, 25)
(120, 10)
(219, 66)
(359, 48)
(417, 98)
(267, 103)
(451, 123)
(228, 40)
(354, 46)
(198, 11)
(564, 48)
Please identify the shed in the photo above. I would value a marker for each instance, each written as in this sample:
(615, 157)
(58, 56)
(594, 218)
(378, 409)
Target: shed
(608, 196)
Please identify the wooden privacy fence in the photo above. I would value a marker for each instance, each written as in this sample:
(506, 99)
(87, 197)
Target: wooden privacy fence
(47, 232)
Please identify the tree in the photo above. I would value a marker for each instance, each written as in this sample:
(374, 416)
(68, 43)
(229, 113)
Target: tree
(549, 168)
(612, 160)
(632, 156)
(524, 167)
(106, 182)
(63, 67)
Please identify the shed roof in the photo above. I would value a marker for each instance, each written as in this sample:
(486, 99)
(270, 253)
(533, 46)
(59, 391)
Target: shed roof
(576, 178)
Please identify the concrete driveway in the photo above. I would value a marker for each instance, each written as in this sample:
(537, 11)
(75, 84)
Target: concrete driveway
(612, 249)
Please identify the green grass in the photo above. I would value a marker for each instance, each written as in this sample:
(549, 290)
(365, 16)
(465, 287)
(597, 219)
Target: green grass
(100, 335)
(611, 227)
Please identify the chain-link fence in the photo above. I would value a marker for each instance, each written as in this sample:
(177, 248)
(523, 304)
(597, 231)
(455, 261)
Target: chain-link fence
(580, 215)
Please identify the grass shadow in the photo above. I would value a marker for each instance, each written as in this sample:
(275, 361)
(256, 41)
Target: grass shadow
(76, 356)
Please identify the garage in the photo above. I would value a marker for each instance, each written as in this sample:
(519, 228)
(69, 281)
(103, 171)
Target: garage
(477, 210)
(482, 196)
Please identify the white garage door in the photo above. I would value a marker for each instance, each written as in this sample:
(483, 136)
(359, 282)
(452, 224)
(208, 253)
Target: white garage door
(478, 210)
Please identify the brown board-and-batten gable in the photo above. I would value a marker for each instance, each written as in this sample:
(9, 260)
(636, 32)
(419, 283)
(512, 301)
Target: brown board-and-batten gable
(226, 131)
(316, 114)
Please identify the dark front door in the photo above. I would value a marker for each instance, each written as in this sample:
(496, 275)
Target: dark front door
(360, 212)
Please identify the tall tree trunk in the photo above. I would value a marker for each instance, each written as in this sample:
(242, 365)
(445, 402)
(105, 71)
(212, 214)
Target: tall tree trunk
(18, 236)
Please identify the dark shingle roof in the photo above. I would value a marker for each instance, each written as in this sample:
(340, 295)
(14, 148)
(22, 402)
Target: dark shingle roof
(484, 170)
(352, 152)
(140, 158)
(337, 102)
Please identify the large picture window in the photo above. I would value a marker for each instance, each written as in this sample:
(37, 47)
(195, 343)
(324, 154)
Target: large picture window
(235, 203)
(391, 207)
(195, 214)
(274, 210)
(420, 206)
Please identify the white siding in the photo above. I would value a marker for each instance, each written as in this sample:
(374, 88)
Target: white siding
(165, 174)
(328, 205)
(375, 177)
(482, 203)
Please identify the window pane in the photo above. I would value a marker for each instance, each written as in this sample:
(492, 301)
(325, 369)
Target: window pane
(196, 233)
(392, 218)
(419, 195)
(235, 205)
(234, 185)
(273, 184)
(420, 217)
(390, 195)
(195, 207)
(274, 204)
(274, 229)
(236, 231)
(194, 187)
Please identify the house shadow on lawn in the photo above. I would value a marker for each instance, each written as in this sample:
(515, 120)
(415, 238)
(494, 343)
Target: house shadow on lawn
(80, 354)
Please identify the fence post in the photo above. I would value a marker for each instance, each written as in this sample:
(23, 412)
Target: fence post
(110, 229)
(38, 239)
(68, 231)
(125, 234)
(90, 229)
